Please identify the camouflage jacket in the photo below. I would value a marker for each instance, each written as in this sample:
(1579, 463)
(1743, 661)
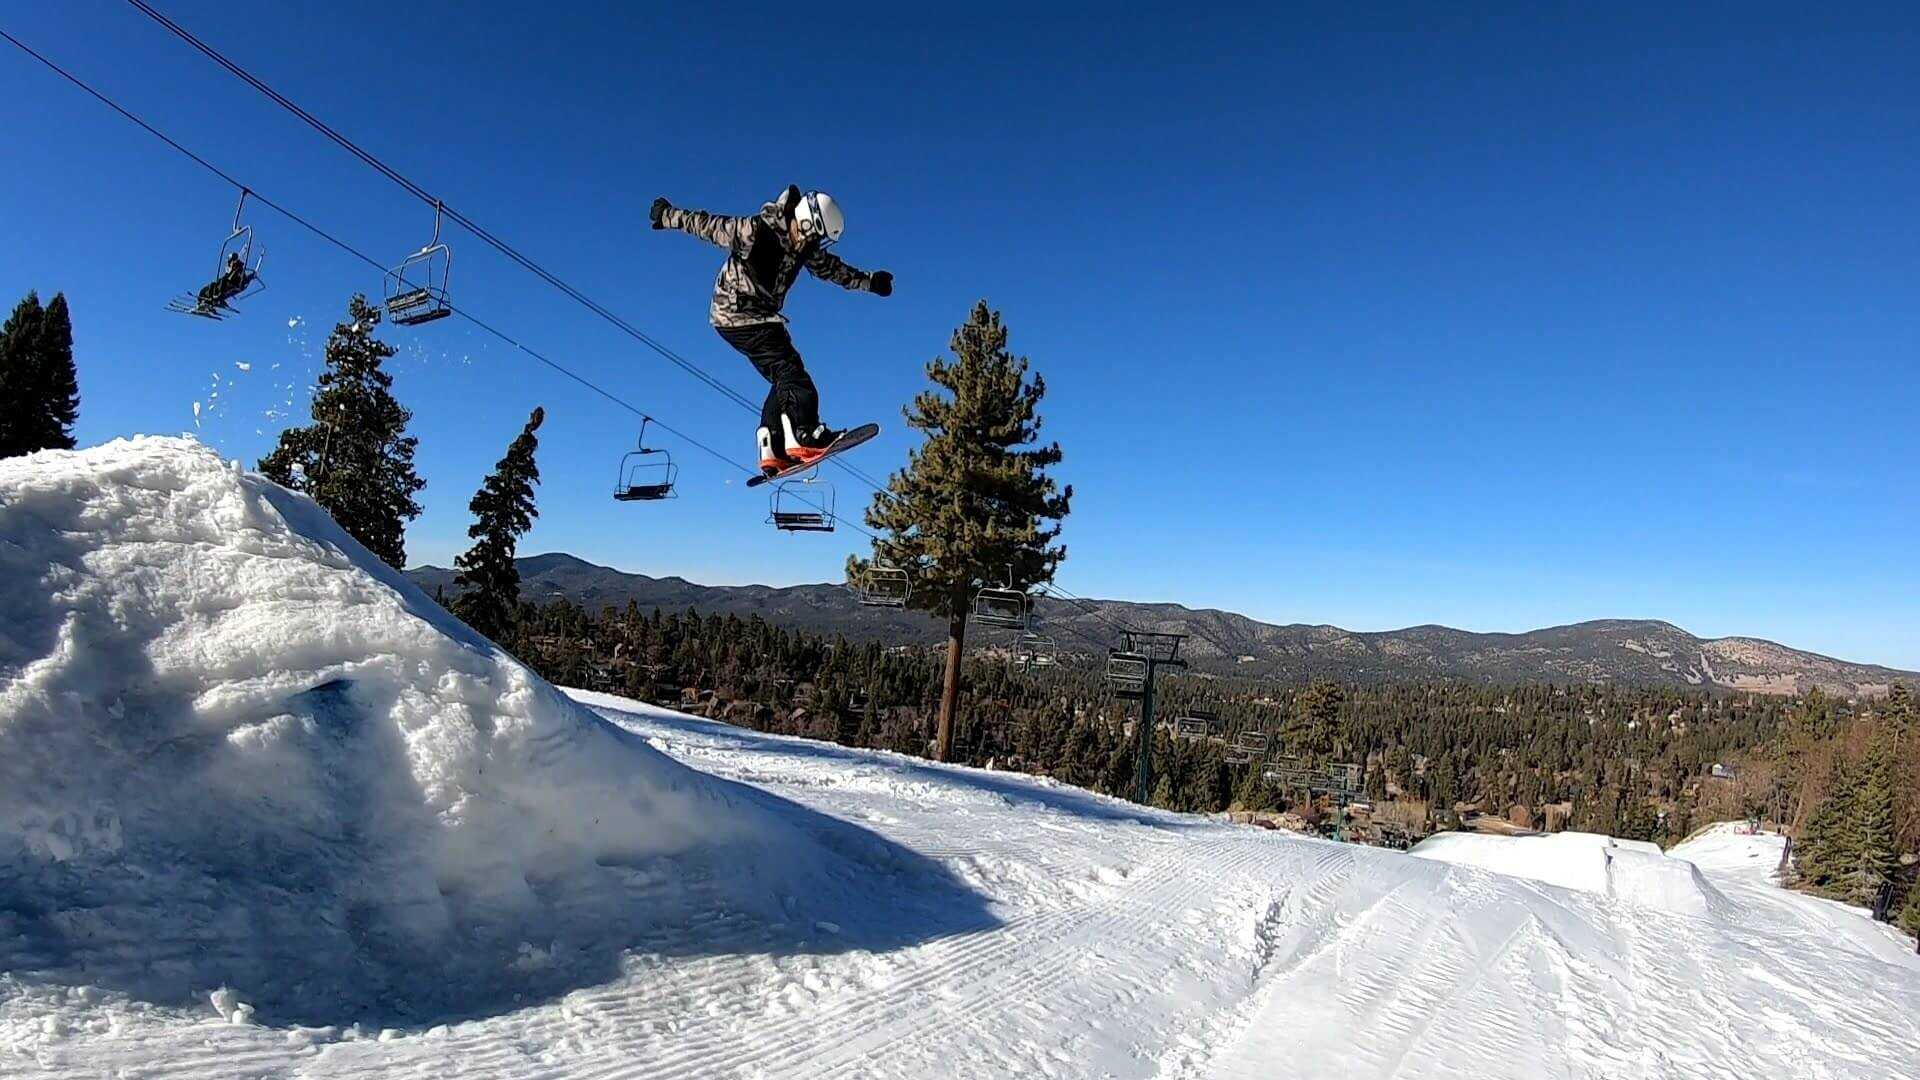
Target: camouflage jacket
(762, 262)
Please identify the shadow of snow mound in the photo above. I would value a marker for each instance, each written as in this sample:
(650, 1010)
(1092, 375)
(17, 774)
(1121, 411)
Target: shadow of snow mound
(238, 751)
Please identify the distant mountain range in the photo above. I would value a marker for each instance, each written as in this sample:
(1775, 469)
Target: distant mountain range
(1624, 651)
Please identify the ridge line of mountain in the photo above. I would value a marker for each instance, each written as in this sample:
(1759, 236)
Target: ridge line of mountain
(1624, 651)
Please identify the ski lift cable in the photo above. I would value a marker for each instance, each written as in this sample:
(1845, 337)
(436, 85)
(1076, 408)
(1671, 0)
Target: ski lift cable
(416, 190)
(1088, 607)
(479, 231)
(323, 234)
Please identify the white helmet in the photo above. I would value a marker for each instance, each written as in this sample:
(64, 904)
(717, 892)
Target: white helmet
(820, 217)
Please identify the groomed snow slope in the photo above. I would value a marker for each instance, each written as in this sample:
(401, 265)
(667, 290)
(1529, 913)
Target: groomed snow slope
(237, 751)
(923, 920)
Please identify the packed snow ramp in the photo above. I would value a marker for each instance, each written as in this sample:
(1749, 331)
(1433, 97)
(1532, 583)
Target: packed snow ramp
(239, 752)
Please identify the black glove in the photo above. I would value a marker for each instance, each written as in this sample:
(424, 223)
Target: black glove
(882, 283)
(660, 207)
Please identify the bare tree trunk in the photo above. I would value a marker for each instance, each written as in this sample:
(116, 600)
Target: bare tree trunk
(950, 690)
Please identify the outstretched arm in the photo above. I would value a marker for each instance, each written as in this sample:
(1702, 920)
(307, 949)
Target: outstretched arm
(722, 230)
(827, 266)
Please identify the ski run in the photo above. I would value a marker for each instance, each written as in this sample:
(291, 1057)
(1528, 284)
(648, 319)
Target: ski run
(267, 811)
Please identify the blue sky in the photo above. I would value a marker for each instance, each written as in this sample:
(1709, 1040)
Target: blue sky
(1497, 318)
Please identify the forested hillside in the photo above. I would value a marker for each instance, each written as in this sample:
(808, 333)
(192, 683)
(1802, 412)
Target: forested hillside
(1647, 763)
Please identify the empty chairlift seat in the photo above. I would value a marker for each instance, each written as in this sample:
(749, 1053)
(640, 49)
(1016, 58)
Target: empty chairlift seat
(1248, 746)
(646, 474)
(881, 586)
(1196, 724)
(1035, 650)
(416, 290)
(1001, 607)
(1127, 673)
(801, 506)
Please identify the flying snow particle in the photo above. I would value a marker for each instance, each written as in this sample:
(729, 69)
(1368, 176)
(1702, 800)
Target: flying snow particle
(244, 366)
(196, 414)
(291, 323)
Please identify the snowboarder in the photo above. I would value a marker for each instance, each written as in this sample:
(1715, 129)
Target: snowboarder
(233, 280)
(765, 253)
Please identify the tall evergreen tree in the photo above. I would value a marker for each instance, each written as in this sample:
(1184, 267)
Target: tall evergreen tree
(1827, 846)
(503, 511)
(39, 393)
(1868, 863)
(355, 459)
(1308, 728)
(974, 505)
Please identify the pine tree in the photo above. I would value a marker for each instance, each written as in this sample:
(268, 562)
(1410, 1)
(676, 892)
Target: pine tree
(1903, 727)
(974, 504)
(19, 376)
(1826, 845)
(1868, 864)
(1909, 917)
(1163, 794)
(355, 459)
(503, 511)
(1443, 779)
(1253, 792)
(1308, 729)
(1117, 777)
(39, 394)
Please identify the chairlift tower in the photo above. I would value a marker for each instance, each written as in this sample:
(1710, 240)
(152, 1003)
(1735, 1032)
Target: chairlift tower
(1132, 672)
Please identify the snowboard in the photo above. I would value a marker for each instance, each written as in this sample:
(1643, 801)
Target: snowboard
(848, 439)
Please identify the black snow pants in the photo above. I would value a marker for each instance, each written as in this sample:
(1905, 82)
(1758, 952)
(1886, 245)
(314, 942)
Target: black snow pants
(771, 349)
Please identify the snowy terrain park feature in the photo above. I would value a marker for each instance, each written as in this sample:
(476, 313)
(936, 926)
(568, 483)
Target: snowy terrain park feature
(267, 811)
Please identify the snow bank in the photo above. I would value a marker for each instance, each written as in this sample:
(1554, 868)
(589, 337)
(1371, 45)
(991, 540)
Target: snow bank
(1732, 849)
(1634, 871)
(237, 751)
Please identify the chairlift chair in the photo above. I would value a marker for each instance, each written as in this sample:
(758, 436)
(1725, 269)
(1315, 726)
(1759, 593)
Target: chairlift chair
(647, 474)
(1035, 650)
(1127, 673)
(1191, 727)
(236, 273)
(417, 288)
(1248, 747)
(1289, 773)
(1008, 607)
(1164, 648)
(882, 586)
(791, 509)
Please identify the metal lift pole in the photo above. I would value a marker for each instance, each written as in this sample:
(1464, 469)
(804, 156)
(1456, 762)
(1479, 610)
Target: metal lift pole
(1158, 650)
(1143, 757)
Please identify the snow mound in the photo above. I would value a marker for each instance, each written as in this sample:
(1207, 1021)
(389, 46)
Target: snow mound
(1632, 871)
(238, 751)
(1734, 850)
